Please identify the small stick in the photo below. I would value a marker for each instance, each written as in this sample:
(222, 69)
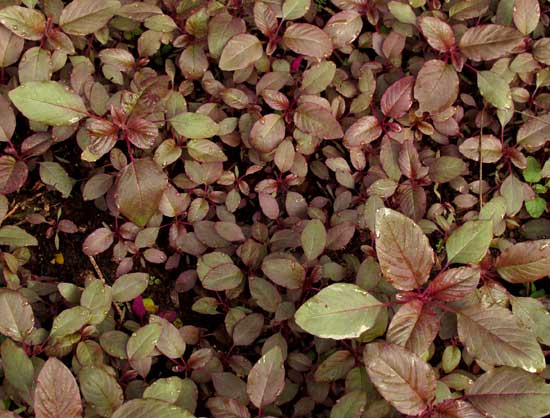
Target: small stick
(96, 268)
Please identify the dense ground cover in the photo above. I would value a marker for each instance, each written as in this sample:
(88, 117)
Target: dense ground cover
(278, 208)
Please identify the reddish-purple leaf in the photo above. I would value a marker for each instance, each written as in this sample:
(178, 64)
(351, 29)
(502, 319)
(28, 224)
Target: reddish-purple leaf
(56, 394)
(454, 284)
(139, 190)
(397, 99)
(524, 262)
(404, 252)
(436, 86)
(266, 380)
(402, 377)
(13, 174)
(317, 121)
(306, 39)
(98, 241)
(489, 42)
(362, 132)
(438, 33)
(414, 326)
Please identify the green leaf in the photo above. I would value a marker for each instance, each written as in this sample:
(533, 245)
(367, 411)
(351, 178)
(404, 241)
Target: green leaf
(335, 367)
(142, 342)
(451, 358)
(532, 174)
(140, 189)
(82, 17)
(16, 315)
(48, 102)
(402, 12)
(129, 286)
(506, 392)
(535, 207)
(295, 9)
(194, 125)
(284, 271)
(14, 236)
(25, 22)
(69, 321)
(494, 89)
(101, 390)
(470, 242)
(97, 297)
(18, 368)
(148, 408)
(53, 174)
(217, 272)
(532, 314)
(314, 239)
(339, 311)
(352, 404)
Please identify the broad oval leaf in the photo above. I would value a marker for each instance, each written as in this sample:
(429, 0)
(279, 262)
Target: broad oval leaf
(98, 241)
(309, 40)
(142, 342)
(81, 17)
(194, 125)
(129, 286)
(266, 379)
(493, 335)
(469, 243)
(313, 239)
(526, 15)
(139, 190)
(295, 9)
(339, 311)
(317, 121)
(149, 408)
(402, 377)
(534, 133)
(16, 315)
(414, 326)
(25, 22)
(404, 252)
(267, 132)
(48, 102)
(507, 392)
(397, 99)
(15, 236)
(363, 131)
(438, 33)
(490, 150)
(494, 89)
(436, 86)
(286, 272)
(524, 262)
(100, 390)
(489, 42)
(241, 51)
(56, 393)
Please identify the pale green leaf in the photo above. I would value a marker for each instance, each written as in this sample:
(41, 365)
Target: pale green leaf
(339, 311)
(48, 102)
(470, 242)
